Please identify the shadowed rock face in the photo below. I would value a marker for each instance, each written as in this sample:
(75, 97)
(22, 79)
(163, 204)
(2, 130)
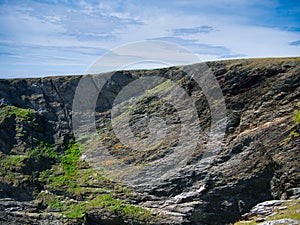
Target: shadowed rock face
(258, 161)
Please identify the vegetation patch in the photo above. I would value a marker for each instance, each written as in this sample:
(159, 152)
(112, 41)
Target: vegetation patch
(294, 129)
(164, 87)
(288, 210)
(20, 113)
(72, 179)
(78, 209)
(295, 132)
(14, 168)
(65, 173)
(43, 150)
(297, 115)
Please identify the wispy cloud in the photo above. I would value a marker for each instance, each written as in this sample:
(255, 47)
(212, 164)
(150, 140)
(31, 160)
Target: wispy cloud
(295, 43)
(40, 36)
(194, 30)
(6, 54)
(200, 48)
(233, 56)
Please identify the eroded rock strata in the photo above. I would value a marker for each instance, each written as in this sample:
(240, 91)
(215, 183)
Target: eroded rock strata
(48, 177)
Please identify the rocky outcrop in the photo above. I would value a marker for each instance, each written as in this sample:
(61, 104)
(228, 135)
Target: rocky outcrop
(274, 212)
(258, 159)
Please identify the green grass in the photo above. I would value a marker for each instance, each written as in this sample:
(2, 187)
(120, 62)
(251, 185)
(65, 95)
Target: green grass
(164, 87)
(119, 207)
(51, 200)
(69, 161)
(12, 166)
(291, 212)
(293, 129)
(20, 113)
(77, 210)
(297, 115)
(295, 133)
(43, 150)
(67, 174)
(67, 167)
(13, 161)
(70, 178)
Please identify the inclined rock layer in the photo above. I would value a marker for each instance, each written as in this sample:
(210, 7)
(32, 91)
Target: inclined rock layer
(259, 157)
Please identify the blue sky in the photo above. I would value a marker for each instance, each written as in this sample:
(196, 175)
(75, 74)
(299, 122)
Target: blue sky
(52, 37)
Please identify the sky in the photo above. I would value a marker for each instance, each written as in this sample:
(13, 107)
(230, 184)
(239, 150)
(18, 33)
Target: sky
(52, 37)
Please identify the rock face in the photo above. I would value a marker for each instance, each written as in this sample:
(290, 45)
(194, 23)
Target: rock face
(274, 212)
(258, 160)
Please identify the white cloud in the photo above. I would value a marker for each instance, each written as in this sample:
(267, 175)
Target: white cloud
(76, 33)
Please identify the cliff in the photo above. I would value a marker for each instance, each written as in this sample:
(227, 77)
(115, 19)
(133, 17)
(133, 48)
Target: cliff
(50, 173)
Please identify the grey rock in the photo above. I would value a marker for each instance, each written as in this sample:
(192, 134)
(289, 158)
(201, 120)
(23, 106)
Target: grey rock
(282, 221)
(257, 160)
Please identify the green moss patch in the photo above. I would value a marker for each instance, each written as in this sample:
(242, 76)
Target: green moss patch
(297, 115)
(20, 113)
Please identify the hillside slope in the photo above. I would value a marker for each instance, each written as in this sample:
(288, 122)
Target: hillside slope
(47, 176)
